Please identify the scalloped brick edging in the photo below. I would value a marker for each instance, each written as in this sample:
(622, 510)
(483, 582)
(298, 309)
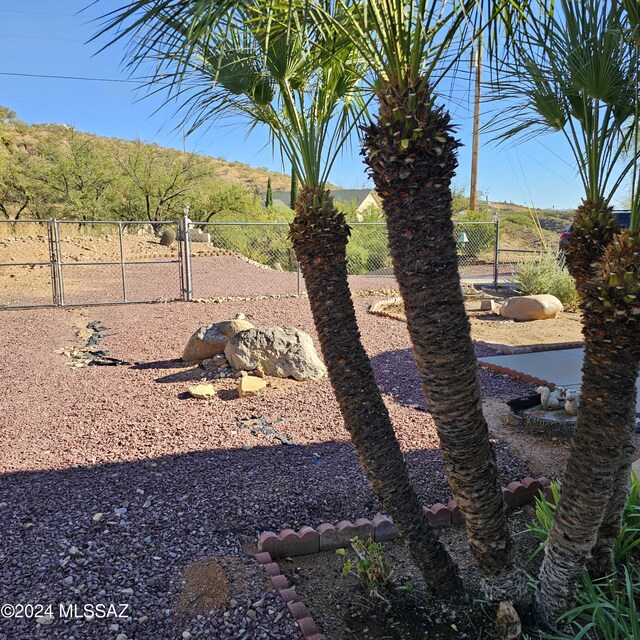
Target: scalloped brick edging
(378, 309)
(327, 537)
(498, 368)
(299, 611)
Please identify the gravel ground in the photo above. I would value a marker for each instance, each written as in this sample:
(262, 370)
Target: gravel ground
(177, 479)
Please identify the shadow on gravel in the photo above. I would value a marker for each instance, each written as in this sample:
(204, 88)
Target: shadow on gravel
(182, 376)
(397, 376)
(176, 363)
(125, 532)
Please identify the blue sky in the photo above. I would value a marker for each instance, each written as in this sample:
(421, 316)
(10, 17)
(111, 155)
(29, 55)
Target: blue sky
(42, 37)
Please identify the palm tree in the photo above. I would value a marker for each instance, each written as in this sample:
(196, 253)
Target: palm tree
(411, 151)
(578, 74)
(277, 69)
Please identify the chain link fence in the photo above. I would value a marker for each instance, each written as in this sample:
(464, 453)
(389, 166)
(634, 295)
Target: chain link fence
(70, 262)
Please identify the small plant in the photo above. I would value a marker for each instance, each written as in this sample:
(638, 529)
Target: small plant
(548, 273)
(371, 567)
(168, 237)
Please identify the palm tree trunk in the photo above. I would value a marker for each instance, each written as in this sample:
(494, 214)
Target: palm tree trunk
(602, 432)
(601, 560)
(412, 166)
(594, 231)
(594, 480)
(320, 235)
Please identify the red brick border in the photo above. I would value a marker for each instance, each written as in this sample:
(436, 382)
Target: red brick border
(299, 611)
(531, 348)
(327, 537)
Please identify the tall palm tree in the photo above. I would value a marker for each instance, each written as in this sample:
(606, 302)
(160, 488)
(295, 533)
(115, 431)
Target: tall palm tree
(577, 74)
(276, 68)
(411, 151)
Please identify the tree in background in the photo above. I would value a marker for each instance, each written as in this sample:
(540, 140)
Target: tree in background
(73, 174)
(269, 199)
(156, 181)
(215, 200)
(6, 114)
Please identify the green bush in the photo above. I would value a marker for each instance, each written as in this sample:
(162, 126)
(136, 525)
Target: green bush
(266, 244)
(547, 273)
(367, 250)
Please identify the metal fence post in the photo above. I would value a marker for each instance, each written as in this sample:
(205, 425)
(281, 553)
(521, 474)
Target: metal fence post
(299, 277)
(58, 257)
(122, 271)
(496, 250)
(187, 258)
(52, 262)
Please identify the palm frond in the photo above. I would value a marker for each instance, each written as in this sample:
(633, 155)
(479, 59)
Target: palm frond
(576, 72)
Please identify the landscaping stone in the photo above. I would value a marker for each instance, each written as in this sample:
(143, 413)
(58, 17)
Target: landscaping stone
(211, 339)
(283, 352)
(250, 386)
(636, 467)
(202, 391)
(508, 622)
(540, 307)
(488, 305)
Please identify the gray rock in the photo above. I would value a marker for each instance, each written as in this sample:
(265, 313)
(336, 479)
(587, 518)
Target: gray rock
(283, 352)
(168, 237)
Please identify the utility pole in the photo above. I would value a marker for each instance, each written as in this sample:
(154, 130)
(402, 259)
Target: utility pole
(477, 65)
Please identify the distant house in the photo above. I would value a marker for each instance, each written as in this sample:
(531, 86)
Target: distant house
(361, 199)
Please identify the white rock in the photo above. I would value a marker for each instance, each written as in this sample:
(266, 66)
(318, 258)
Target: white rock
(539, 307)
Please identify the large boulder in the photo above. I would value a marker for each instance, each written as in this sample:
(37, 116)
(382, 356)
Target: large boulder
(541, 307)
(283, 352)
(211, 339)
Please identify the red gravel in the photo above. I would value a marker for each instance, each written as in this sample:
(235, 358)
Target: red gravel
(194, 484)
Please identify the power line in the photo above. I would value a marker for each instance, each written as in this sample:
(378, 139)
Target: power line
(54, 77)
(38, 13)
(11, 35)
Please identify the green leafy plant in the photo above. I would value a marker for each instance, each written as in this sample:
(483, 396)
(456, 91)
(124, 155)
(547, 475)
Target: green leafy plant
(371, 567)
(606, 608)
(547, 273)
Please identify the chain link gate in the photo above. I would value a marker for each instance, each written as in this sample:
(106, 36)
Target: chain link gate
(71, 262)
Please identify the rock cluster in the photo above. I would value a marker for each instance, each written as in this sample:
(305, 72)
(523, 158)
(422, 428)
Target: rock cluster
(235, 348)
(218, 367)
